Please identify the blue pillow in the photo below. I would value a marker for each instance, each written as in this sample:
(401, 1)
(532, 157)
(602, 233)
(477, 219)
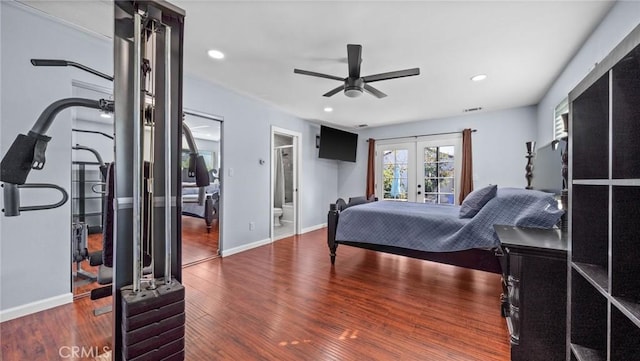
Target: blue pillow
(476, 200)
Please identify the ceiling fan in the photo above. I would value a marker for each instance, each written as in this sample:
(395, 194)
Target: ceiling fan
(354, 84)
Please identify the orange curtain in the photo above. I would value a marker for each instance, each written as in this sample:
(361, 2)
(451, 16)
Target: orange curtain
(466, 183)
(371, 171)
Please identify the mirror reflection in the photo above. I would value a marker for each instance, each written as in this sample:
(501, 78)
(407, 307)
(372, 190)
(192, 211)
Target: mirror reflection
(200, 199)
(92, 151)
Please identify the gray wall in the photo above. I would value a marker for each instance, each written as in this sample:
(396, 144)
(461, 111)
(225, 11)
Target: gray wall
(498, 147)
(623, 17)
(35, 247)
(35, 263)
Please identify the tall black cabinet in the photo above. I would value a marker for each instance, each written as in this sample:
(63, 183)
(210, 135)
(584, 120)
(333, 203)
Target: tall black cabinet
(604, 196)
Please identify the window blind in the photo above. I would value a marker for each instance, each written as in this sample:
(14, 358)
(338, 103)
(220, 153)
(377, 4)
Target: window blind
(558, 126)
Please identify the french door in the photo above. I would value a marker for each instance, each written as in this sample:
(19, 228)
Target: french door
(426, 170)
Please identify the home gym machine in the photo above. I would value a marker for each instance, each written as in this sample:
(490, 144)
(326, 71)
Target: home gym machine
(148, 309)
(148, 317)
(27, 152)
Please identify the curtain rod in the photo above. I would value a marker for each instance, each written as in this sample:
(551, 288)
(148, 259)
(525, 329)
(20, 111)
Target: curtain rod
(423, 135)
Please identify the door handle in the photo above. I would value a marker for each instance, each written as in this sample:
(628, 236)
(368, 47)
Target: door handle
(419, 193)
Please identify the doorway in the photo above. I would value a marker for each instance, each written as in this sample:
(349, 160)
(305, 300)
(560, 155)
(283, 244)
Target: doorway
(201, 206)
(285, 187)
(425, 170)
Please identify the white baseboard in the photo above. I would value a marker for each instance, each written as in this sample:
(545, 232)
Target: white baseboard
(244, 247)
(313, 228)
(33, 307)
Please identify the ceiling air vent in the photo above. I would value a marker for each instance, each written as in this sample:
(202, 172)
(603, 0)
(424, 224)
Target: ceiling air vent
(472, 109)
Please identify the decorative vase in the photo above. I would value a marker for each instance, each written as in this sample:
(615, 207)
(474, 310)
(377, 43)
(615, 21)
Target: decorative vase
(531, 148)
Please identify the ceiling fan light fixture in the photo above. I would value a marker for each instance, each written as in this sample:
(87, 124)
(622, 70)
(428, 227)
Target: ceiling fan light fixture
(354, 84)
(353, 88)
(353, 92)
(328, 109)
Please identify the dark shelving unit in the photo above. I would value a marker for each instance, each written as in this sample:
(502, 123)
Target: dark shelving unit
(604, 212)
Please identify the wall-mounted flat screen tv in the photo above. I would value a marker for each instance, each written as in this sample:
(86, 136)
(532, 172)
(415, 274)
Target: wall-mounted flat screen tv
(337, 144)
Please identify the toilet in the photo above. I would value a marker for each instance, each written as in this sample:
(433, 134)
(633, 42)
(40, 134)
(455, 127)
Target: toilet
(277, 213)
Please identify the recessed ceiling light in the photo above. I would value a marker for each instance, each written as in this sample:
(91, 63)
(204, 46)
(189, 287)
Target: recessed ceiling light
(215, 54)
(479, 77)
(328, 109)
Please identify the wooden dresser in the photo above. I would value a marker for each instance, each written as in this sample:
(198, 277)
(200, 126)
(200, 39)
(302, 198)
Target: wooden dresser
(535, 304)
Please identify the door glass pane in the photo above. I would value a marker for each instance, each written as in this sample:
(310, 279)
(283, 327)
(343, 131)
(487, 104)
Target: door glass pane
(430, 185)
(439, 174)
(394, 174)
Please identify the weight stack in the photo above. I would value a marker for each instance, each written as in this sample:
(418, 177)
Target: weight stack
(153, 323)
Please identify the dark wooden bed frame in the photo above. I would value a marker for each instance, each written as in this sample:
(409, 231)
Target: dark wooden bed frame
(478, 259)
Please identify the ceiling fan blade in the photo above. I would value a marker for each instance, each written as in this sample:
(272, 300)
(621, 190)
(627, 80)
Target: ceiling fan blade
(320, 75)
(391, 75)
(354, 58)
(334, 91)
(373, 91)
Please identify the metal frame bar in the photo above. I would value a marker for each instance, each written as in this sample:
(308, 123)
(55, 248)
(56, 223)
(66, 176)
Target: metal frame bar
(167, 154)
(137, 153)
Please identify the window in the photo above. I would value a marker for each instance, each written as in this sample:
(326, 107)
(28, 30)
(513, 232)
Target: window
(424, 170)
(394, 173)
(559, 130)
(439, 174)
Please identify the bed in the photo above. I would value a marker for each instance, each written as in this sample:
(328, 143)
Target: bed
(438, 232)
(208, 210)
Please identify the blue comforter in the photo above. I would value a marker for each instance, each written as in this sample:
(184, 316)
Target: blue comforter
(438, 228)
(190, 207)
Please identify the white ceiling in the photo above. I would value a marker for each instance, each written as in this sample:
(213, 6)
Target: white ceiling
(521, 45)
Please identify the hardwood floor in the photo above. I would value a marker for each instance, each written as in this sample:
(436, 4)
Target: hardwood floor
(285, 301)
(197, 243)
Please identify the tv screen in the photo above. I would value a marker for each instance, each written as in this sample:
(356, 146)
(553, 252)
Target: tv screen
(337, 144)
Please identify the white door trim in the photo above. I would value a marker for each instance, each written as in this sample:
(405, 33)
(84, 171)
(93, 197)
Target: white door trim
(297, 183)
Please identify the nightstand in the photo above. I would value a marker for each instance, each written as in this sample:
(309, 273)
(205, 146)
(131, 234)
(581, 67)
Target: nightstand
(535, 307)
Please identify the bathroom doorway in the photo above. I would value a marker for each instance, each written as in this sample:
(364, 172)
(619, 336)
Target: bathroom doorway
(285, 186)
